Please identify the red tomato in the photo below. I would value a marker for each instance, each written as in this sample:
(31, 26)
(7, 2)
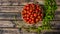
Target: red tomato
(29, 21)
(32, 22)
(38, 14)
(40, 19)
(35, 15)
(27, 15)
(33, 5)
(25, 11)
(31, 16)
(37, 11)
(32, 19)
(41, 14)
(24, 18)
(30, 10)
(27, 18)
(37, 19)
(27, 8)
(38, 5)
(33, 8)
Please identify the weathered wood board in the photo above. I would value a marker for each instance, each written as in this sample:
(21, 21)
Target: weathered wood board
(6, 24)
(9, 31)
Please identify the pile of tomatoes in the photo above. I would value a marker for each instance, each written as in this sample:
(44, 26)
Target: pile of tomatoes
(32, 13)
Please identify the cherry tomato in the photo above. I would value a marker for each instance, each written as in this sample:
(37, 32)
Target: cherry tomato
(32, 22)
(27, 15)
(24, 11)
(24, 18)
(37, 19)
(27, 18)
(35, 15)
(27, 8)
(41, 14)
(30, 10)
(32, 18)
(37, 11)
(33, 5)
(32, 13)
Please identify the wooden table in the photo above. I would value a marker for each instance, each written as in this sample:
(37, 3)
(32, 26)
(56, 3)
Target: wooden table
(11, 8)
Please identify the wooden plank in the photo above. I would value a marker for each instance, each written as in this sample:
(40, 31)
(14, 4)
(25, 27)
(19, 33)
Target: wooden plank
(9, 31)
(8, 0)
(10, 15)
(12, 2)
(6, 24)
(15, 8)
(23, 2)
(56, 23)
(58, 8)
(11, 8)
(51, 32)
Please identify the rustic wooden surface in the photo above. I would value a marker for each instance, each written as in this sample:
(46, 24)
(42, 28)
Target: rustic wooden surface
(11, 8)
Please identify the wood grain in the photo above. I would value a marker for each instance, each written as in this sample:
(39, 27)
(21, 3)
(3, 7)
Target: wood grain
(16, 8)
(9, 31)
(6, 24)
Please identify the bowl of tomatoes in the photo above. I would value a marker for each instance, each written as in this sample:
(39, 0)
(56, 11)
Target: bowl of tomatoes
(32, 13)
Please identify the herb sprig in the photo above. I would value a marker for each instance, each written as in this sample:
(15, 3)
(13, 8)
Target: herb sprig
(50, 7)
